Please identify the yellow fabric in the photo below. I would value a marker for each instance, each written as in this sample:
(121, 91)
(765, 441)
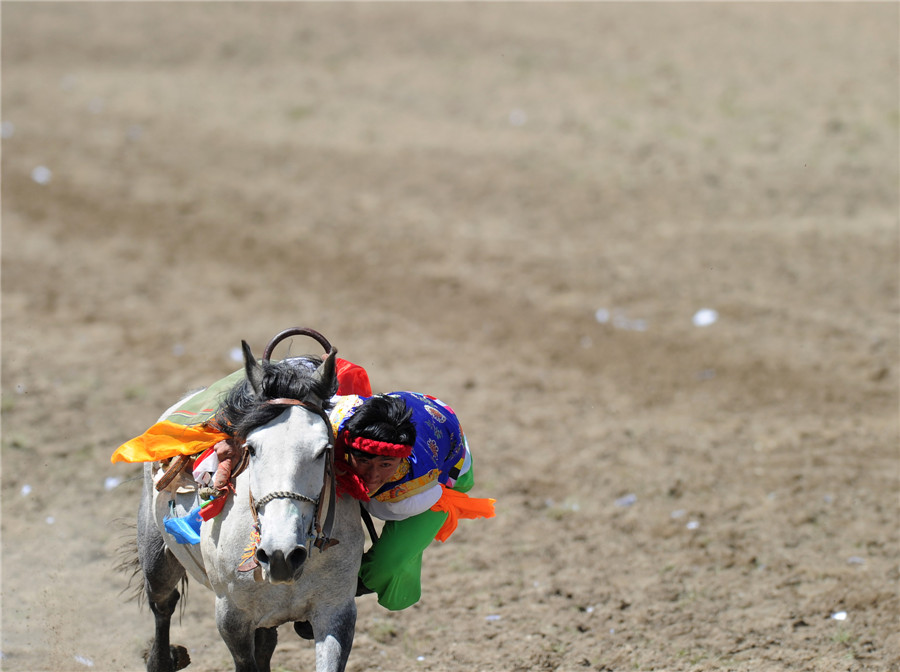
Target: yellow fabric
(166, 439)
(409, 488)
(459, 505)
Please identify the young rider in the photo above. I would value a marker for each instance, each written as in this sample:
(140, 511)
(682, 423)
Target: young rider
(411, 463)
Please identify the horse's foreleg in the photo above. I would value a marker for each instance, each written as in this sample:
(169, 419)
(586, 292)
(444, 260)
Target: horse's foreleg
(162, 573)
(163, 656)
(240, 635)
(334, 638)
(266, 639)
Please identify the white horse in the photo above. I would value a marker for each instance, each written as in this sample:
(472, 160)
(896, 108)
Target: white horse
(286, 493)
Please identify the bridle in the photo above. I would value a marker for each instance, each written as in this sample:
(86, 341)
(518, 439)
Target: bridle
(323, 528)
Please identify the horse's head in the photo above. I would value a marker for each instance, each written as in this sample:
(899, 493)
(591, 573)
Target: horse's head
(287, 458)
(278, 415)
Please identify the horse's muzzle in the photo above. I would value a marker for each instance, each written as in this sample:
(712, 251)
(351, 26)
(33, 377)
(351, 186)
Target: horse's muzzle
(283, 569)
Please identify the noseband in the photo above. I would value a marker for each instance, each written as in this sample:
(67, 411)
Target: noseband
(323, 530)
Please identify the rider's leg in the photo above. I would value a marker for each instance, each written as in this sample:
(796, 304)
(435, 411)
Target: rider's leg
(393, 566)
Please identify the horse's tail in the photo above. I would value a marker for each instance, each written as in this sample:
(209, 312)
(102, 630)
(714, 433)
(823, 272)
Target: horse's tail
(128, 562)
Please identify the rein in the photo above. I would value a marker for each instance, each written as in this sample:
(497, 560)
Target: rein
(324, 528)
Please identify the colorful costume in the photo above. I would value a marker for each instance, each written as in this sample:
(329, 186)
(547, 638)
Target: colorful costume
(422, 501)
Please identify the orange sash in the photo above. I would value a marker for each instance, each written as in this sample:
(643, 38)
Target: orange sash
(166, 439)
(459, 505)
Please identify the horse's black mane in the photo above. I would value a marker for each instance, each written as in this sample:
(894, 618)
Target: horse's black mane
(242, 410)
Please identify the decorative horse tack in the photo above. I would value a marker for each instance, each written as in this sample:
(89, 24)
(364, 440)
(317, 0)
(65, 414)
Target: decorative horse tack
(283, 494)
(298, 331)
(248, 561)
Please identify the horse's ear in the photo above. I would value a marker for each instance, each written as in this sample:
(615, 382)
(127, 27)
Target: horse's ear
(326, 371)
(253, 369)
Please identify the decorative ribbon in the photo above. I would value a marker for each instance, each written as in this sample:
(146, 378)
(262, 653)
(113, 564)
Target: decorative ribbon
(459, 505)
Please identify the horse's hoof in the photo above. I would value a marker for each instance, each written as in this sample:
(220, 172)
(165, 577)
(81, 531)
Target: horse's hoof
(179, 656)
(304, 629)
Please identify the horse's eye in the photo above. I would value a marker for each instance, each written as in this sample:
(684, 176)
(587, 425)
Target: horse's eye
(250, 449)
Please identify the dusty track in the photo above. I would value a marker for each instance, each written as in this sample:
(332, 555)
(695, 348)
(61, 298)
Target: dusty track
(450, 193)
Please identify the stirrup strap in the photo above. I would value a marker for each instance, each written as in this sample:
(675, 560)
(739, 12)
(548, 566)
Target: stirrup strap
(370, 526)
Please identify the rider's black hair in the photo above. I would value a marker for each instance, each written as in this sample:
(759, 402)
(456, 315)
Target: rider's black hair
(383, 418)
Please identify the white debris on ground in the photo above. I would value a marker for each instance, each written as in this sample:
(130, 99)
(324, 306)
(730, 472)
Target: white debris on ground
(517, 117)
(705, 317)
(619, 319)
(627, 500)
(41, 174)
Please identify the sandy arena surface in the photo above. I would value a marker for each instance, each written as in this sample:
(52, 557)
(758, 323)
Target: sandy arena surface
(519, 208)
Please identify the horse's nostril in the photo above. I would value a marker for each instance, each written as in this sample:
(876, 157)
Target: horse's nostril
(297, 557)
(262, 556)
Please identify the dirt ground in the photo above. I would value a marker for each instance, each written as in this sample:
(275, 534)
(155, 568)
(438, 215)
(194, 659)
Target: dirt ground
(520, 208)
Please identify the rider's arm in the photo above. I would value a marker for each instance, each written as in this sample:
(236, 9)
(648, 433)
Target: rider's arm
(410, 506)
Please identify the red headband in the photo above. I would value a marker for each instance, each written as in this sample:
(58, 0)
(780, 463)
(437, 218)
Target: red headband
(376, 447)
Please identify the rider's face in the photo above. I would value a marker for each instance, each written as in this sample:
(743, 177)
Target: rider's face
(374, 470)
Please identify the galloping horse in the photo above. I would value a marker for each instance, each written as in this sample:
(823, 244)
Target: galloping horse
(284, 500)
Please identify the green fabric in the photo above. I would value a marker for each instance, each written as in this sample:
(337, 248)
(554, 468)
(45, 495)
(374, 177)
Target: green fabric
(202, 406)
(393, 566)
